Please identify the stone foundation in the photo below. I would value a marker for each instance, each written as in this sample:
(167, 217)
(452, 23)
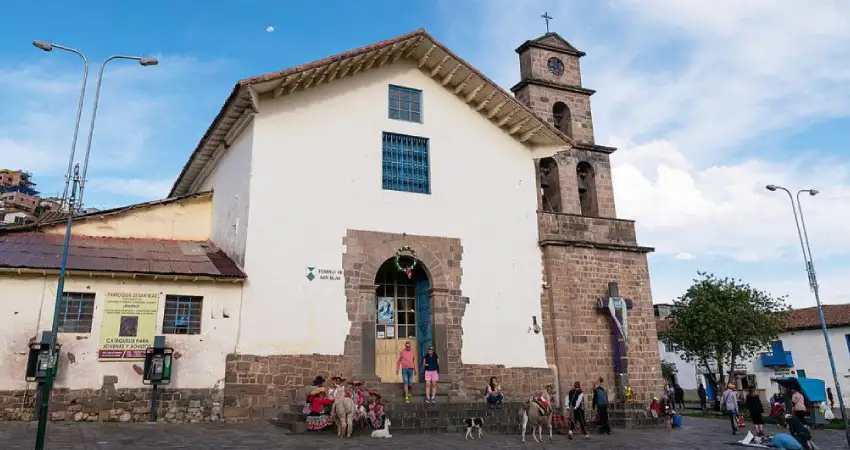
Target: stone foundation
(255, 387)
(116, 405)
(517, 382)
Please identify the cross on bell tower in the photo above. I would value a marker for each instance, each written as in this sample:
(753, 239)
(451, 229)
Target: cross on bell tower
(547, 18)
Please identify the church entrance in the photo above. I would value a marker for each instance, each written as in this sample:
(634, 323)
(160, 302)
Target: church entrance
(403, 315)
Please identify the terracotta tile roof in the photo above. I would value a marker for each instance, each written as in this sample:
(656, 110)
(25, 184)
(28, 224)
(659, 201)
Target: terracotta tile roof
(799, 319)
(808, 318)
(117, 255)
(245, 95)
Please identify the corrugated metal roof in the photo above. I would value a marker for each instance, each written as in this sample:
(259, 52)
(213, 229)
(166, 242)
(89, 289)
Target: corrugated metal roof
(104, 254)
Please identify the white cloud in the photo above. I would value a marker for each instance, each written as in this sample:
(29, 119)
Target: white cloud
(139, 108)
(688, 91)
(685, 256)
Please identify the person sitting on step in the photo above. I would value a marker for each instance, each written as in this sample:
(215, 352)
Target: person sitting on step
(493, 393)
(375, 410)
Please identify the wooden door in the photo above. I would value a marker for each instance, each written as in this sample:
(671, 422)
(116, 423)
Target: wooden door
(396, 325)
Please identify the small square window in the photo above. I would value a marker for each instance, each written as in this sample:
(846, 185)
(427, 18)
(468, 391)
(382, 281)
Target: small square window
(405, 104)
(182, 314)
(76, 311)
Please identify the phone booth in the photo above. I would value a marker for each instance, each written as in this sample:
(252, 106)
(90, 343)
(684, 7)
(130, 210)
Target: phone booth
(157, 370)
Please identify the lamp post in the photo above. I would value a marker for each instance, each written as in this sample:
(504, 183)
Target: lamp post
(803, 235)
(144, 61)
(49, 46)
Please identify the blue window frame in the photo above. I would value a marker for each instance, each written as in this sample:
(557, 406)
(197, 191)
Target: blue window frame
(801, 373)
(76, 311)
(182, 314)
(405, 104)
(405, 164)
(847, 339)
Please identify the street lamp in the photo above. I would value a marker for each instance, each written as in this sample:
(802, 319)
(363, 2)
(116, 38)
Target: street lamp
(49, 46)
(813, 284)
(144, 61)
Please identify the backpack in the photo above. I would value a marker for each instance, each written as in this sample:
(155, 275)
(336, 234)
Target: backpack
(601, 397)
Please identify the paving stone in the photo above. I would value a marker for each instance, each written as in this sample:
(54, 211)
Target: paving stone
(697, 434)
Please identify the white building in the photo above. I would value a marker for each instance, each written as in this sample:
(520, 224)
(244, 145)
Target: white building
(800, 351)
(330, 180)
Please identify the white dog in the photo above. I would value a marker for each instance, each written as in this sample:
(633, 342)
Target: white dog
(383, 432)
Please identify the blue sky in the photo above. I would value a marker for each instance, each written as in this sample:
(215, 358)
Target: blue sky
(707, 101)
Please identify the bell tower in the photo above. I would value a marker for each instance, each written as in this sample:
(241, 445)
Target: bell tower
(551, 86)
(586, 248)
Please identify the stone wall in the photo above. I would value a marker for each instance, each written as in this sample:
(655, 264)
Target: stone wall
(116, 405)
(257, 386)
(517, 382)
(578, 337)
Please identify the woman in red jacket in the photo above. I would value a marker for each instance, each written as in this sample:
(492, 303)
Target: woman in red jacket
(319, 417)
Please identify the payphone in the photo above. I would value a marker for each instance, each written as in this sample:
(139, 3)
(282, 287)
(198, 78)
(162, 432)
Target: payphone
(157, 370)
(41, 363)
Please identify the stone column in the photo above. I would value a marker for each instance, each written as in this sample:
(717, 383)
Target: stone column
(367, 334)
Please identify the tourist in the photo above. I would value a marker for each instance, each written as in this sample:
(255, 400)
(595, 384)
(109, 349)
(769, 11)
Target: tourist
(756, 410)
(575, 403)
(319, 417)
(679, 397)
(799, 405)
(830, 398)
(407, 365)
(729, 404)
(431, 366)
(702, 397)
(375, 413)
(600, 404)
(494, 393)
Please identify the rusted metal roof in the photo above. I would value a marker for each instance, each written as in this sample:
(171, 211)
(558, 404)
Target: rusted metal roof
(117, 255)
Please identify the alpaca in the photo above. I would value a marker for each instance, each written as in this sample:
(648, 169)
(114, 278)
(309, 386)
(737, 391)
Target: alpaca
(383, 432)
(343, 413)
(531, 413)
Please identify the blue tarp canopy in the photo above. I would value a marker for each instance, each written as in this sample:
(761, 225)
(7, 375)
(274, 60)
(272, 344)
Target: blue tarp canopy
(813, 389)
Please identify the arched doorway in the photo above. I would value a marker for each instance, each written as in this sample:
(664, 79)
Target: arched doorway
(403, 315)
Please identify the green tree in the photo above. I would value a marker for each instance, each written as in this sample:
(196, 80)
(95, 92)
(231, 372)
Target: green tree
(719, 321)
(667, 370)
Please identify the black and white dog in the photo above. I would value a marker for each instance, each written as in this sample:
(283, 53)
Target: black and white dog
(474, 424)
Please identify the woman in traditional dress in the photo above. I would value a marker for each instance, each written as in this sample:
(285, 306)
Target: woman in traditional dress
(318, 382)
(375, 410)
(359, 397)
(319, 417)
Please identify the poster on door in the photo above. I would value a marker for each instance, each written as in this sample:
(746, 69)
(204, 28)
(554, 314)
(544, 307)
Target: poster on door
(128, 325)
(386, 311)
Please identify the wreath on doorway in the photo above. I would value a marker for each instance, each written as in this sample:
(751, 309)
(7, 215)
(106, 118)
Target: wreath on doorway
(405, 251)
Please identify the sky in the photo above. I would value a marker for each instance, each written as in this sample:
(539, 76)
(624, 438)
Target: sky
(707, 102)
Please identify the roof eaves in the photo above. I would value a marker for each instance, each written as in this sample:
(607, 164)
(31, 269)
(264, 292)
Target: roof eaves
(184, 180)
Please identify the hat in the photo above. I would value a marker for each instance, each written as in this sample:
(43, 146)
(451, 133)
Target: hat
(731, 385)
(655, 398)
(318, 380)
(356, 383)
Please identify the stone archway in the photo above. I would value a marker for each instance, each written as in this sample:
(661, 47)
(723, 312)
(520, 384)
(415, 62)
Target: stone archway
(365, 252)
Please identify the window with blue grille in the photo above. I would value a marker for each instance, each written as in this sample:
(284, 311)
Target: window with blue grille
(405, 164)
(75, 312)
(182, 314)
(405, 104)
(801, 373)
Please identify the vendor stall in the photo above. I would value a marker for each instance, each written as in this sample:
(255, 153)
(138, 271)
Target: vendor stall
(814, 393)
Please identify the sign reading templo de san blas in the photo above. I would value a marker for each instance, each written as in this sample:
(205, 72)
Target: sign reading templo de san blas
(324, 274)
(128, 325)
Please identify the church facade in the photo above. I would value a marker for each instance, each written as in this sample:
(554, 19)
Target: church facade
(330, 179)
(335, 211)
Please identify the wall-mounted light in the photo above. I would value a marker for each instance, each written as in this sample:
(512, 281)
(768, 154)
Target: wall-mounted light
(534, 326)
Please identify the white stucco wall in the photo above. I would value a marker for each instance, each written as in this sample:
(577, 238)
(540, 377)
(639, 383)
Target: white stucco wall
(27, 308)
(686, 373)
(808, 351)
(231, 180)
(316, 171)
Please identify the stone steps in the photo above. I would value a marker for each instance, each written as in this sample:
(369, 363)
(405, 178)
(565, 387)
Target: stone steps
(416, 417)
